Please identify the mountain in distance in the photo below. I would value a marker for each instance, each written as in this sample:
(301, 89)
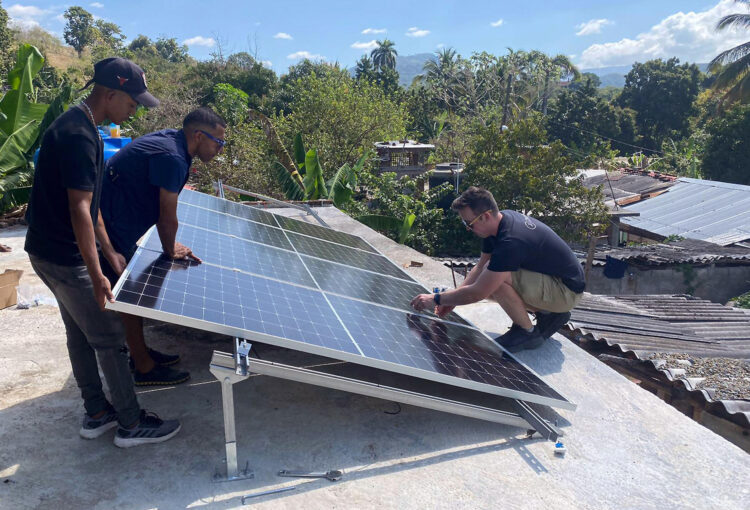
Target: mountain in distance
(614, 76)
(409, 66)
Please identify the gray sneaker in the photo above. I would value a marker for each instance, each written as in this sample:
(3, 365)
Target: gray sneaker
(518, 339)
(92, 428)
(150, 429)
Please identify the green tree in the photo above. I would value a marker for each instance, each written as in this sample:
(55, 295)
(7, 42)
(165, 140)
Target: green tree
(170, 50)
(662, 94)
(230, 103)
(732, 67)
(340, 117)
(384, 56)
(527, 174)
(79, 30)
(588, 124)
(142, 45)
(108, 34)
(364, 70)
(553, 69)
(239, 70)
(727, 152)
(6, 42)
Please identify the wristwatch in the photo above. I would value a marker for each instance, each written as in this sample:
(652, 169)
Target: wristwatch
(436, 298)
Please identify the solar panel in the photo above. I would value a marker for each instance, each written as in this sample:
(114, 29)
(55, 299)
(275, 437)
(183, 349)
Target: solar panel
(346, 255)
(323, 297)
(232, 225)
(323, 233)
(356, 283)
(233, 253)
(225, 206)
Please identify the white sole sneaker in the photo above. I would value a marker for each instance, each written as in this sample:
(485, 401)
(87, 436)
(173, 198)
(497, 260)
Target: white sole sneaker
(94, 433)
(129, 442)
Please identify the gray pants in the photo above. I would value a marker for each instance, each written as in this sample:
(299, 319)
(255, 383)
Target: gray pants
(91, 334)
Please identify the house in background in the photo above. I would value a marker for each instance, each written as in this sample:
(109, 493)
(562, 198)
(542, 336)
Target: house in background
(405, 157)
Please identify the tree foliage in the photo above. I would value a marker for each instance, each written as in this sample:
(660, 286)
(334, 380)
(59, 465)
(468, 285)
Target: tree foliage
(662, 94)
(340, 116)
(732, 67)
(727, 152)
(79, 29)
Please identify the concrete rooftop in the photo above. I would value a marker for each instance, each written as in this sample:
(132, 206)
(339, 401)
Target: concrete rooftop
(626, 448)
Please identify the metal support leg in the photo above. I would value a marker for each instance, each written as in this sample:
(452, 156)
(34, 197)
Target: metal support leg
(224, 369)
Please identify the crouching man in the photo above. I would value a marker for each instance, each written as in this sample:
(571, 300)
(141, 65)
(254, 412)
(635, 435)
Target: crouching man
(524, 266)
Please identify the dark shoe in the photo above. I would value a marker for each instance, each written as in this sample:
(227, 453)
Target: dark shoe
(159, 358)
(550, 323)
(160, 376)
(518, 339)
(163, 359)
(150, 429)
(91, 428)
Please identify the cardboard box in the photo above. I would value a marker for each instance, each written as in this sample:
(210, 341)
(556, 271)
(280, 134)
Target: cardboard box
(8, 283)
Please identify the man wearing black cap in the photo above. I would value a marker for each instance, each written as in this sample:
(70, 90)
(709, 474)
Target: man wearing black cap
(140, 189)
(64, 225)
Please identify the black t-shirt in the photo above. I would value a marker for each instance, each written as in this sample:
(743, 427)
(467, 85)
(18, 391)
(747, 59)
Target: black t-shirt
(70, 158)
(523, 242)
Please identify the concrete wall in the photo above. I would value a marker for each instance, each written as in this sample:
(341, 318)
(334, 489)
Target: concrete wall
(716, 283)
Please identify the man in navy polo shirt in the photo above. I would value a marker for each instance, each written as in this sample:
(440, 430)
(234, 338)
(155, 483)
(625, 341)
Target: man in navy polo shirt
(140, 190)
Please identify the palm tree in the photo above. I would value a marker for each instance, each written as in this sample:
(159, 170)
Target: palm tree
(556, 67)
(732, 67)
(384, 56)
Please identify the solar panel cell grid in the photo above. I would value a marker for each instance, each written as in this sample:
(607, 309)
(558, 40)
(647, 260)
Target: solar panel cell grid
(346, 255)
(432, 345)
(225, 206)
(326, 234)
(229, 298)
(230, 252)
(232, 225)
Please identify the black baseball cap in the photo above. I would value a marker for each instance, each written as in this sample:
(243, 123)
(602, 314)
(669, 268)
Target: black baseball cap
(122, 74)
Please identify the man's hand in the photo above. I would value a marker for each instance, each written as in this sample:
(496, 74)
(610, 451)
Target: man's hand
(443, 310)
(422, 302)
(102, 291)
(183, 252)
(117, 261)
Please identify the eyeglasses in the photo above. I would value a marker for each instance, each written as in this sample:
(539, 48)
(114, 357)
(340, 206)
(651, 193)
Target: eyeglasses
(221, 142)
(469, 225)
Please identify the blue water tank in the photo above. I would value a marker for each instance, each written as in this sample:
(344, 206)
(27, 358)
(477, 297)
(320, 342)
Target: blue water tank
(111, 145)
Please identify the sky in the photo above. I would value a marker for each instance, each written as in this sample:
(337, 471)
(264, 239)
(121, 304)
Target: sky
(280, 33)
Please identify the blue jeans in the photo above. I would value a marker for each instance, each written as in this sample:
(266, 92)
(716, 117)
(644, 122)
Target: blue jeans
(92, 334)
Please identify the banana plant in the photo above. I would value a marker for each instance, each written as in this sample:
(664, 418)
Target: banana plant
(340, 188)
(22, 122)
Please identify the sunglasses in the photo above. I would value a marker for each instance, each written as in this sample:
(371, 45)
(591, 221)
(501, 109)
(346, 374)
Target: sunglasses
(469, 224)
(221, 142)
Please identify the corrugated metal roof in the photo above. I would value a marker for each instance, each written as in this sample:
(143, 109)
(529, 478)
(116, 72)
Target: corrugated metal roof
(646, 324)
(685, 251)
(697, 209)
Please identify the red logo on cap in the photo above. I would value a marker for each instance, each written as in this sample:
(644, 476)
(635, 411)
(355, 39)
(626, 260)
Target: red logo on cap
(143, 75)
(122, 80)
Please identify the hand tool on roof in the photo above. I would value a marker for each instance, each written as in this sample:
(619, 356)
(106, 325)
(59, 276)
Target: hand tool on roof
(331, 475)
(264, 493)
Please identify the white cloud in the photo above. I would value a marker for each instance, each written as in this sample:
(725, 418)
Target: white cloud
(416, 32)
(25, 11)
(26, 16)
(97, 5)
(267, 63)
(367, 46)
(61, 18)
(283, 35)
(298, 55)
(199, 40)
(593, 26)
(689, 36)
(373, 31)
(440, 45)
(497, 23)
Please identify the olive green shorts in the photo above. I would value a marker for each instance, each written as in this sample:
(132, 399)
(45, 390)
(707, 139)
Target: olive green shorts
(544, 292)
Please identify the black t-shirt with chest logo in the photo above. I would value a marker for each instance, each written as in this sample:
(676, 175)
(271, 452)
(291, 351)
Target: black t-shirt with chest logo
(523, 242)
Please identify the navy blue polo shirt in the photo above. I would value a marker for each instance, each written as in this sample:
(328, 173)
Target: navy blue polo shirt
(133, 178)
